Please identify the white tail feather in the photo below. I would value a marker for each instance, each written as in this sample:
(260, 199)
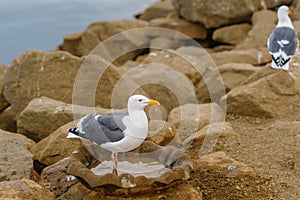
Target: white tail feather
(72, 135)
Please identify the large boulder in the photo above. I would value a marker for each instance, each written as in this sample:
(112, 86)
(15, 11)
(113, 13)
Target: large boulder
(83, 43)
(43, 116)
(233, 34)
(159, 9)
(16, 160)
(219, 13)
(35, 74)
(24, 189)
(263, 24)
(25, 140)
(274, 95)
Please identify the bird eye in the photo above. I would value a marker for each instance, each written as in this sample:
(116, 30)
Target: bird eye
(140, 100)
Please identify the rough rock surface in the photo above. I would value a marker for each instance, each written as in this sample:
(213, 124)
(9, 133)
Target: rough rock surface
(35, 74)
(16, 160)
(160, 9)
(263, 24)
(43, 116)
(161, 132)
(220, 162)
(24, 189)
(26, 141)
(297, 153)
(273, 95)
(218, 13)
(233, 34)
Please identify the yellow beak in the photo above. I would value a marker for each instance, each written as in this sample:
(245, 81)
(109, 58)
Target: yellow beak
(153, 102)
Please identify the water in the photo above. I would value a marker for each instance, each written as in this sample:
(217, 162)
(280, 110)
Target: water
(42, 24)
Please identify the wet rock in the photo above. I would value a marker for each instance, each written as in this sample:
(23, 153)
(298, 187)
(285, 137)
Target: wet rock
(218, 13)
(126, 183)
(195, 31)
(297, 154)
(43, 116)
(56, 146)
(251, 56)
(24, 189)
(233, 34)
(25, 140)
(220, 129)
(263, 24)
(16, 160)
(35, 74)
(273, 95)
(158, 10)
(191, 117)
(223, 164)
(3, 103)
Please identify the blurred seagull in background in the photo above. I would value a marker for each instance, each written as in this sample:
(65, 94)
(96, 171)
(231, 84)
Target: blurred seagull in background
(283, 41)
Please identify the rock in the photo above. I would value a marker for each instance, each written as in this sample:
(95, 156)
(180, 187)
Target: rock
(220, 128)
(192, 30)
(232, 74)
(165, 43)
(264, 23)
(56, 146)
(297, 154)
(16, 160)
(161, 132)
(26, 141)
(43, 116)
(251, 56)
(8, 121)
(55, 178)
(296, 10)
(35, 74)
(83, 43)
(273, 95)
(297, 27)
(220, 162)
(235, 74)
(158, 10)
(191, 117)
(233, 34)
(3, 103)
(24, 189)
(214, 14)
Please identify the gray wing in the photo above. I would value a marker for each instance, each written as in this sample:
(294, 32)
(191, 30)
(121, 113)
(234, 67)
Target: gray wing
(278, 40)
(102, 128)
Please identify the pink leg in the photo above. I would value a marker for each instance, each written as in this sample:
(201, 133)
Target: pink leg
(114, 158)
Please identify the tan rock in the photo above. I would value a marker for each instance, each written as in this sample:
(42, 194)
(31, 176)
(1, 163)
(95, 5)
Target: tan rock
(3, 103)
(189, 118)
(43, 116)
(271, 96)
(192, 30)
(26, 141)
(24, 189)
(8, 121)
(297, 27)
(263, 24)
(220, 129)
(220, 162)
(56, 146)
(251, 56)
(16, 160)
(233, 34)
(161, 132)
(158, 10)
(35, 74)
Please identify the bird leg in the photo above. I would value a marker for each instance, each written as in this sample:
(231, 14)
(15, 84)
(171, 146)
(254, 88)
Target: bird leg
(114, 158)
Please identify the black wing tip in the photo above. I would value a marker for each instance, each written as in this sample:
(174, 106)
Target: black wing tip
(73, 130)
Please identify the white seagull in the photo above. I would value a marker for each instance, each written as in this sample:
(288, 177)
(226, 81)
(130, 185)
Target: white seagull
(116, 132)
(283, 41)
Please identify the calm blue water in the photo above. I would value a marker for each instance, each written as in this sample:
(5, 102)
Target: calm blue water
(42, 24)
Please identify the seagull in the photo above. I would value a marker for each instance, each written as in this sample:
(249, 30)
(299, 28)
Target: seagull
(283, 41)
(116, 132)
